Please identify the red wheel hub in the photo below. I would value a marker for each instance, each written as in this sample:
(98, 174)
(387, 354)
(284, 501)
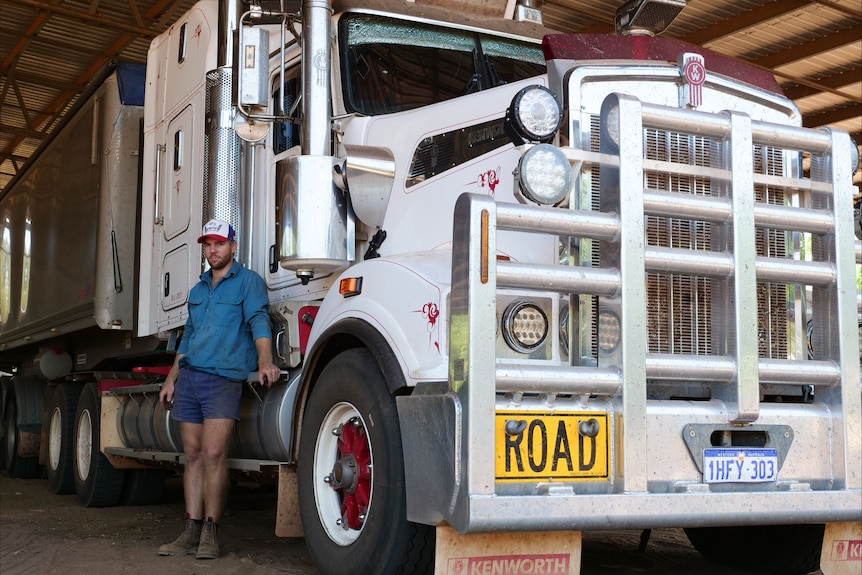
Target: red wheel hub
(351, 474)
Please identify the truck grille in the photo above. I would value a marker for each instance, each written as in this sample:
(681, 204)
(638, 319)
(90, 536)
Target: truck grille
(679, 307)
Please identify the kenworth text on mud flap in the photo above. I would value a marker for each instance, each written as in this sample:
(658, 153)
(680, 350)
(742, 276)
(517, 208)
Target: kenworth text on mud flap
(520, 281)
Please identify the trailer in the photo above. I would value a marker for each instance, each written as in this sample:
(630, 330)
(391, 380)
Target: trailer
(523, 284)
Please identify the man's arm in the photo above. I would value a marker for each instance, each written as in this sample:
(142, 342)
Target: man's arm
(268, 372)
(166, 395)
(255, 304)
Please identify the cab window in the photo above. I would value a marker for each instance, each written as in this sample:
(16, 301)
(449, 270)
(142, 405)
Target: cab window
(390, 65)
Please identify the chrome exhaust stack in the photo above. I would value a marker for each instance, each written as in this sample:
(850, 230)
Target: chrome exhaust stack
(317, 191)
(222, 189)
(316, 235)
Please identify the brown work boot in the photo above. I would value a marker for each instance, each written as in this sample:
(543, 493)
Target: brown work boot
(186, 543)
(208, 547)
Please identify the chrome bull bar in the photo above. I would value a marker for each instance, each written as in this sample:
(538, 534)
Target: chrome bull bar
(448, 431)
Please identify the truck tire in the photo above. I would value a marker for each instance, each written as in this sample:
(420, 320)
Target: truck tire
(351, 476)
(766, 549)
(61, 438)
(97, 483)
(16, 466)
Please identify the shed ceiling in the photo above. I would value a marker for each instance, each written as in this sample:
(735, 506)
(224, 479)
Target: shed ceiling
(51, 49)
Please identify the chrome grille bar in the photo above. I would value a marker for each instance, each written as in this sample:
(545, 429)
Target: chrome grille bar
(731, 368)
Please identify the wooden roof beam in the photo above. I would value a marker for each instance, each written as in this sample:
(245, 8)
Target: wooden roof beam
(745, 20)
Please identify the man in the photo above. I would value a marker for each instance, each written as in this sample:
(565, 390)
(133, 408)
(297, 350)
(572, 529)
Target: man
(227, 335)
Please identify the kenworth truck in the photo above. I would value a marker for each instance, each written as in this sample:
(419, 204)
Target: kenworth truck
(520, 281)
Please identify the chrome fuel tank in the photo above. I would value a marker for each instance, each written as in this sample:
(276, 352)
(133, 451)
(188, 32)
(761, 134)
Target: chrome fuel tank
(263, 431)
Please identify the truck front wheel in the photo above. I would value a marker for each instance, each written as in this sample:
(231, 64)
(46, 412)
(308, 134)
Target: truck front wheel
(767, 549)
(351, 475)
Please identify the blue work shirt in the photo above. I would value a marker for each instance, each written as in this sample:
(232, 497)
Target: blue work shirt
(223, 323)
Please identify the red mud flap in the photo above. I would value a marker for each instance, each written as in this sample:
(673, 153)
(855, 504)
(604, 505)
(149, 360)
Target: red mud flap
(842, 549)
(535, 553)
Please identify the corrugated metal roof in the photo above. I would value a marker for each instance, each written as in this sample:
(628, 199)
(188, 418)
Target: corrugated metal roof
(50, 51)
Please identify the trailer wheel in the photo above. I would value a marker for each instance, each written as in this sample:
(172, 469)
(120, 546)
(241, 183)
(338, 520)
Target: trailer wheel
(16, 466)
(97, 483)
(61, 442)
(351, 476)
(766, 549)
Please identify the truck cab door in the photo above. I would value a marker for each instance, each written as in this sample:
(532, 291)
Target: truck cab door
(176, 234)
(173, 180)
(177, 199)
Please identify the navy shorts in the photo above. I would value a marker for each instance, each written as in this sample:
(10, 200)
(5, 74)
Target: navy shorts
(199, 396)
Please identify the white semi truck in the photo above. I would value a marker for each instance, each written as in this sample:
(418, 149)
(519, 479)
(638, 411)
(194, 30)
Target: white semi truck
(519, 281)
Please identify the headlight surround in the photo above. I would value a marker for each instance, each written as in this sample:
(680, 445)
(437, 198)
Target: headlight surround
(564, 329)
(533, 116)
(854, 156)
(544, 175)
(524, 326)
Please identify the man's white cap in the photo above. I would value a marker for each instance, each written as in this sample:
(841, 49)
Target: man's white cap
(219, 230)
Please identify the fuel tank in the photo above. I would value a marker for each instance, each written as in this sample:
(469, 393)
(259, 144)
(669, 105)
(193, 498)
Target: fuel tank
(262, 433)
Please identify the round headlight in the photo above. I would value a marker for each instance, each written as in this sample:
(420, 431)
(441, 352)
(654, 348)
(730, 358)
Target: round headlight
(524, 326)
(534, 114)
(613, 125)
(610, 332)
(545, 175)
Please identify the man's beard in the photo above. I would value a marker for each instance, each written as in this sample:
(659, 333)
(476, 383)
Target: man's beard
(220, 264)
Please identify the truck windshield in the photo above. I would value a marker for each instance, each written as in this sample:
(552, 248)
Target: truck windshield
(391, 65)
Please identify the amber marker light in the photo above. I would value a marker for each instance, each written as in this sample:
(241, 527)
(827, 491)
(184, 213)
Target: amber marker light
(483, 248)
(350, 287)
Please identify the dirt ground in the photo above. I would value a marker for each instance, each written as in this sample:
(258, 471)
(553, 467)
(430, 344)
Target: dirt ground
(43, 533)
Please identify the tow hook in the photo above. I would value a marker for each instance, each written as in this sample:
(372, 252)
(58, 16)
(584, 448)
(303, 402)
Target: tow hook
(589, 427)
(515, 427)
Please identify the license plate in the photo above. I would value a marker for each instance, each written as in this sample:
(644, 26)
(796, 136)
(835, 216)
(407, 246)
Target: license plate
(550, 446)
(738, 465)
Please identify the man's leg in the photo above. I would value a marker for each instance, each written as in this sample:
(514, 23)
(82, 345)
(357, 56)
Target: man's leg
(193, 488)
(194, 472)
(216, 434)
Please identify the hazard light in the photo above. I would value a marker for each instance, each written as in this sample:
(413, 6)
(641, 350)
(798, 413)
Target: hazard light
(524, 326)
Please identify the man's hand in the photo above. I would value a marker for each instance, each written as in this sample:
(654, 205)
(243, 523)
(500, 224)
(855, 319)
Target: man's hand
(268, 374)
(166, 395)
